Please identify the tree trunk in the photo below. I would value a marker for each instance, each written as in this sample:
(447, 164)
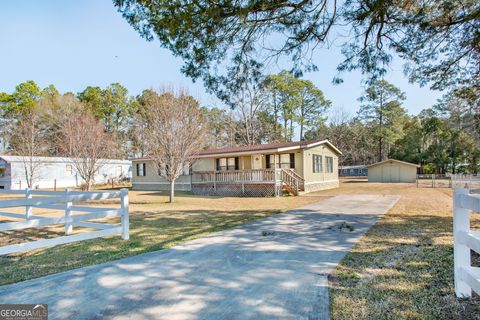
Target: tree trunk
(275, 116)
(172, 191)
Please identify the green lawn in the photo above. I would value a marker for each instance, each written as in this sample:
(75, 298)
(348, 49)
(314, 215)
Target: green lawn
(154, 225)
(403, 267)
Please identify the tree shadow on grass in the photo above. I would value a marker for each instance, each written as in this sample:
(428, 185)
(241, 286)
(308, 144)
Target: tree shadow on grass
(267, 269)
(402, 269)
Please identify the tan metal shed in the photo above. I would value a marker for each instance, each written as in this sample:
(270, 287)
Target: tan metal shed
(392, 171)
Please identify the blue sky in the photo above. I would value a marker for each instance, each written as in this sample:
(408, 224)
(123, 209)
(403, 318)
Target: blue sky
(73, 44)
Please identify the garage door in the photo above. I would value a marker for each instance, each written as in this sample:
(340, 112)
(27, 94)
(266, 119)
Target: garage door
(394, 174)
(390, 174)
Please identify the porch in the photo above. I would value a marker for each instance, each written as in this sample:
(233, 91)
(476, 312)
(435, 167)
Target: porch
(247, 183)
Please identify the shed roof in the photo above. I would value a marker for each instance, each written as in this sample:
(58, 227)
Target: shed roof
(358, 166)
(8, 158)
(393, 160)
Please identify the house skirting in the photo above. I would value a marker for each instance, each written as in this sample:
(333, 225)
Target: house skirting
(234, 189)
(321, 185)
(163, 186)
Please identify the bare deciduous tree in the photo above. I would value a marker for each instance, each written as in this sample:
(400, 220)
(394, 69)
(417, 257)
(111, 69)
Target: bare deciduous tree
(83, 139)
(250, 100)
(174, 133)
(27, 142)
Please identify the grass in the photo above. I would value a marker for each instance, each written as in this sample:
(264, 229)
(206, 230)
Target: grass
(154, 225)
(403, 267)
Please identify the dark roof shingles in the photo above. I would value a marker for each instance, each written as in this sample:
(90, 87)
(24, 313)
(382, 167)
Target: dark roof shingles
(256, 147)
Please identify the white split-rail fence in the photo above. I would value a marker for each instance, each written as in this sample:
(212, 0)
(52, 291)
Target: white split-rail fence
(66, 201)
(467, 277)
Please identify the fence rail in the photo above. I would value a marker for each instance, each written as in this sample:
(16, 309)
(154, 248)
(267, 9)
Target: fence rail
(467, 181)
(434, 180)
(63, 201)
(467, 277)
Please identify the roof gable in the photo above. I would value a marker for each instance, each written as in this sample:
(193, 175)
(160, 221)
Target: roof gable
(396, 161)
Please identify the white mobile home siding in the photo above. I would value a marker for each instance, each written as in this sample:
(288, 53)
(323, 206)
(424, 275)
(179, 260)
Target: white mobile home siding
(57, 172)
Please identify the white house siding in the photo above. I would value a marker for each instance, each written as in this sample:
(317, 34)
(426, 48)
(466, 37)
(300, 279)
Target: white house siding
(153, 181)
(55, 172)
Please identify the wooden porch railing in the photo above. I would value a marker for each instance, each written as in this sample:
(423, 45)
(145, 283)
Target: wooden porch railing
(301, 180)
(280, 178)
(257, 175)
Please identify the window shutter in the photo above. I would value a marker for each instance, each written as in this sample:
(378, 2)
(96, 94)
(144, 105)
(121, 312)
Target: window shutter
(144, 169)
(267, 161)
(292, 160)
(137, 169)
(313, 163)
(237, 163)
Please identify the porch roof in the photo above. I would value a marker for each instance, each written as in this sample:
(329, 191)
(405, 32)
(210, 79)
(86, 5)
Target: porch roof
(262, 148)
(258, 148)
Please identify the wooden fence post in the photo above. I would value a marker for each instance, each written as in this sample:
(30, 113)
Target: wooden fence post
(68, 213)
(28, 209)
(124, 215)
(461, 252)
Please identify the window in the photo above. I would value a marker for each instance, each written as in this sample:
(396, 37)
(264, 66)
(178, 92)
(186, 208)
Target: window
(284, 160)
(223, 164)
(68, 168)
(231, 163)
(317, 163)
(141, 170)
(329, 163)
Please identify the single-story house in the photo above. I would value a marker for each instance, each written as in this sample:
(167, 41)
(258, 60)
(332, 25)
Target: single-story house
(56, 172)
(255, 170)
(393, 171)
(353, 171)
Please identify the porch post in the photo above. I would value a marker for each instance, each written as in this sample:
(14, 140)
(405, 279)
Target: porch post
(278, 186)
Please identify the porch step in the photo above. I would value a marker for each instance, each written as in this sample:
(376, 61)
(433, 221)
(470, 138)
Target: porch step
(289, 189)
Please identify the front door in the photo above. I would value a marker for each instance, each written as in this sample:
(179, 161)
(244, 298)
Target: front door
(256, 161)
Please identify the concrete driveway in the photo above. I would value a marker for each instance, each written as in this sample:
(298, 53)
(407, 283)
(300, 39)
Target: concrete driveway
(275, 268)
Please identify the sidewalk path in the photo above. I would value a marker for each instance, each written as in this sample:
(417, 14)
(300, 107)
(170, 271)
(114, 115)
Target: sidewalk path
(275, 268)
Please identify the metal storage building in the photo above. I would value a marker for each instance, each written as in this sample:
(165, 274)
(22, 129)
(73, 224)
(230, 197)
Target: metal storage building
(392, 171)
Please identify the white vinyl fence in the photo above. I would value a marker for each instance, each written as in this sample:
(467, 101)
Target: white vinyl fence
(63, 201)
(467, 181)
(465, 239)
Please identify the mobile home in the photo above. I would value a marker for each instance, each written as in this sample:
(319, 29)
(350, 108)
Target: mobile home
(56, 172)
(255, 170)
